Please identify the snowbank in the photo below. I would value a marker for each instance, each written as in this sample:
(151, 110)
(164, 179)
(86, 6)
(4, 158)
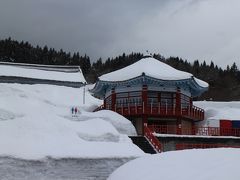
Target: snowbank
(214, 164)
(36, 122)
(123, 125)
(27, 72)
(151, 67)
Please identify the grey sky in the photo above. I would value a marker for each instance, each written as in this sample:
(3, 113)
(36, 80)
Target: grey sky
(192, 29)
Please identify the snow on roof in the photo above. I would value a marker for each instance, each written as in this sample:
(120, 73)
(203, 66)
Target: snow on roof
(150, 67)
(201, 82)
(220, 110)
(42, 72)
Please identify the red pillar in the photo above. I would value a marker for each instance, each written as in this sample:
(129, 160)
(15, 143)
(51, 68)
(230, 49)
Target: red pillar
(113, 99)
(144, 100)
(178, 112)
(144, 119)
(193, 128)
(104, 103)
(190, 101)
(190, 106)
(178, 102)
(179, 126)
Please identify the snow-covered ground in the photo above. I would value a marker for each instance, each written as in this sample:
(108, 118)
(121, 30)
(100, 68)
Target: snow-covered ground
(207, 164)
(36, 121)
(38, 73)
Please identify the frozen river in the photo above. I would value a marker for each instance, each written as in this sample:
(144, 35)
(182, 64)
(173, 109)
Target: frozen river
(58, 169)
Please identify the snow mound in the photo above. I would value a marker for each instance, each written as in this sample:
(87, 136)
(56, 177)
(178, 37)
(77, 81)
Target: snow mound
(216, 164)
(123, 125)
(97, 130)
(43, 125)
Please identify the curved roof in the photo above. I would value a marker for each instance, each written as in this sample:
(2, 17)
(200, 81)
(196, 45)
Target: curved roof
(151, 72)
(150, 67)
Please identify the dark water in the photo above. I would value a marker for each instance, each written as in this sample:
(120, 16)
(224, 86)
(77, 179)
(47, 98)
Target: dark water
(58, 169)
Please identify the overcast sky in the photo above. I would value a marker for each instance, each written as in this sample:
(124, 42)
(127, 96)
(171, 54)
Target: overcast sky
(191, 29)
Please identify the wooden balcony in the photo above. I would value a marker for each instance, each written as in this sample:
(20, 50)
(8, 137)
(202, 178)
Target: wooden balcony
(192, 112)
(157, 110)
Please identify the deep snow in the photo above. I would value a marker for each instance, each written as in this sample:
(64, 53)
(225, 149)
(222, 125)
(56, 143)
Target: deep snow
(201, 164)
(36, 122)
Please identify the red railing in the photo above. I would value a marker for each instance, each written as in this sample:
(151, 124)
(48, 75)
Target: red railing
(192, 112)
(152, 139)
(201, 131)
(182, 146)
(99, 108)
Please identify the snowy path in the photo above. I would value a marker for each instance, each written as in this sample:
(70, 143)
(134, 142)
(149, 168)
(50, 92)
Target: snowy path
(62, 169)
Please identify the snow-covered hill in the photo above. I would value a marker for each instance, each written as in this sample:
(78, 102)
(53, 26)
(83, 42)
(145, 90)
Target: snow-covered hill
(36, 122)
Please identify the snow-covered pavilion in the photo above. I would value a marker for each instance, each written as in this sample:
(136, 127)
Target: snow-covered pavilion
(153, 93)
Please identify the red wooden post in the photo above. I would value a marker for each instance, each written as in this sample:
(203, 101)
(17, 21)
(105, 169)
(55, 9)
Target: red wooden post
(193, 128)
(113, 99)
(144, 98)
(179, 126)
(190, 106)
(178, 102)
(104, 103)
(178, 112)
(144, 119)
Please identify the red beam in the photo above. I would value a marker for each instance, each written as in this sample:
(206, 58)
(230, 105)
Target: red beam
(200, 131)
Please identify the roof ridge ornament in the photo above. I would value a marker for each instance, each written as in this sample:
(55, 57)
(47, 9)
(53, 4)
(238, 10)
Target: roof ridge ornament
(147, 54)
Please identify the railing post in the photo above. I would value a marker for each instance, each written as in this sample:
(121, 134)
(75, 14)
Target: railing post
(143, 108)
(135, 108)
(159, 108)
(152, 139)
(151, 107)
(178, 102)
(122, 109)
(104, 103)
(144, 98)
(179, 126)
(113, 99)
(166, 107)
(174, 109)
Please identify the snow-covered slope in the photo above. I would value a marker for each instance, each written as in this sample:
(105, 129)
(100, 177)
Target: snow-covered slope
(151, 67)
(40, 73)
(208, 164)
(36, 122)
